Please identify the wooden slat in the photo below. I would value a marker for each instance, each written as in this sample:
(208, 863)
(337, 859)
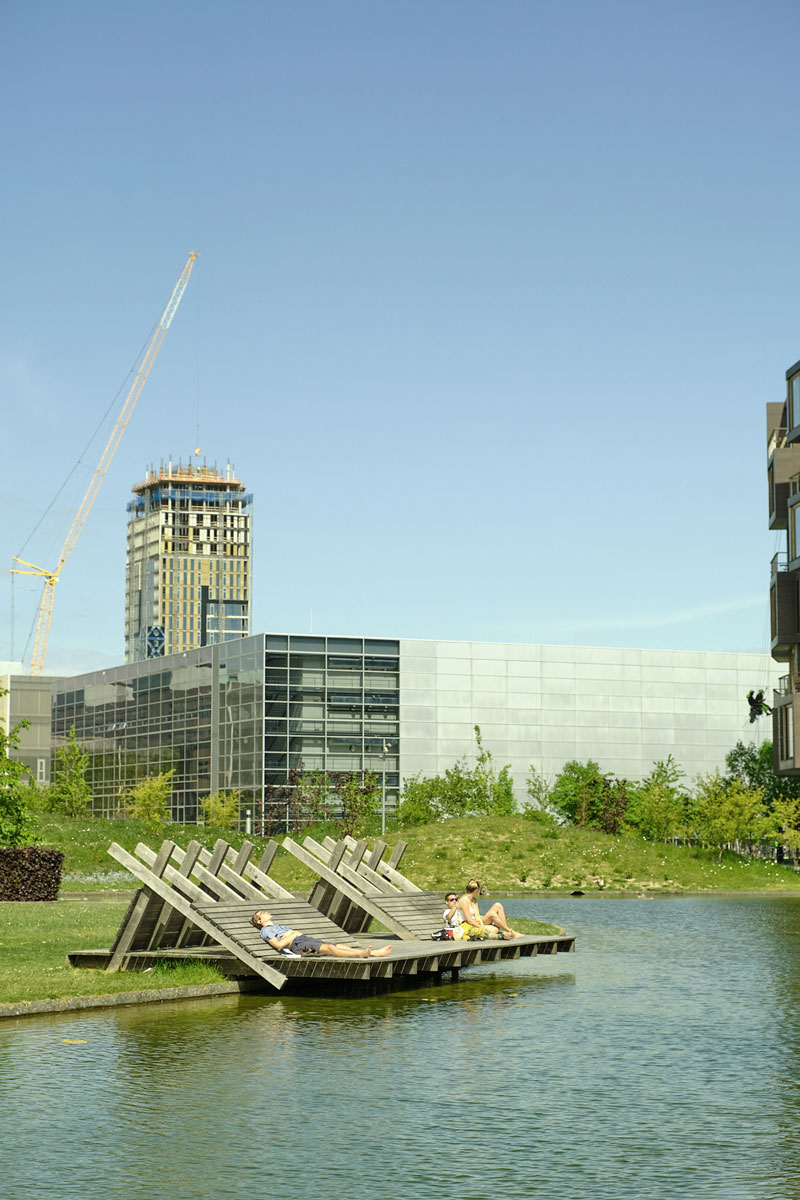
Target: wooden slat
(367, 903)
(378, 851)
(161, 888)
(145, 901)
(176, 929)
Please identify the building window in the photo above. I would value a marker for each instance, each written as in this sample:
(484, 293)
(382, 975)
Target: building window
(41, 770)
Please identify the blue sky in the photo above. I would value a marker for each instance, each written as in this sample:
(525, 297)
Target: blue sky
(489, 303)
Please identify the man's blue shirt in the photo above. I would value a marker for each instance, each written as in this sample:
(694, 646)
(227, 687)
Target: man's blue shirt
(274, 931)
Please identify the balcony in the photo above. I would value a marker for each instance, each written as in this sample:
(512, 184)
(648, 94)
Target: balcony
(784, 615)
(780, 562)
(776, 441)
(783, 476)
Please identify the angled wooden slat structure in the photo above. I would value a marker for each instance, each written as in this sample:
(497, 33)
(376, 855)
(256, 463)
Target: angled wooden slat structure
(353, 898)
(197, 903)
(179, 893)
(355, 893)
(153, 923)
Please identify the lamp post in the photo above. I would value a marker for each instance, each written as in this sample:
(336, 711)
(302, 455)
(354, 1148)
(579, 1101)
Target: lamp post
(383, 790)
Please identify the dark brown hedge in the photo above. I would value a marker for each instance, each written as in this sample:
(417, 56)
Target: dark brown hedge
(30, 873)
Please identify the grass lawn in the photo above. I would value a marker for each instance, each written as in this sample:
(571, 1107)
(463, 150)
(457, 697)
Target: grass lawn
(35, 938)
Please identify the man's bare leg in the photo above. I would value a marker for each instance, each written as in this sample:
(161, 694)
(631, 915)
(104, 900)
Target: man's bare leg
(339, 950)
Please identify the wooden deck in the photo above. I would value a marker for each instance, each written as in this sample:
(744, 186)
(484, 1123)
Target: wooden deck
(196, 904)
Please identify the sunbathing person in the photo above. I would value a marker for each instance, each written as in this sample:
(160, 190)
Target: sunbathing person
(452, 916)
(495, 916)
(293, 944)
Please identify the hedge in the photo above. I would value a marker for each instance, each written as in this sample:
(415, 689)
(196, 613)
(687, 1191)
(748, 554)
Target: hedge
(30, 873)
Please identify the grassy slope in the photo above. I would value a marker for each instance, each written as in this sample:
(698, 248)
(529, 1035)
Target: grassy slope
(519, 855)
(510, 854)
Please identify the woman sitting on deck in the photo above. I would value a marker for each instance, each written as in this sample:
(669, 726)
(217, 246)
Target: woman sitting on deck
(494, 918)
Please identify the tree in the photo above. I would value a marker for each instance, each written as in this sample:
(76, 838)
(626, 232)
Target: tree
(149, 800)
(495, 792)
(221, 809)
(70, 793)
(589, 799)
(786, 818)
(461, 792)
(753, 766)
(17, 826)
(723, 812)
(613, 805)
(358, 797)
(302, 800)
(658, 805)
(577, 791)
(539, 790)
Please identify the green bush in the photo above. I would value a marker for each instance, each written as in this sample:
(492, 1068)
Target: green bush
(577, 792)
(657, 809)
(221, 809)
(17, 825)
(69, 792)
(462, 791)
(149, 800)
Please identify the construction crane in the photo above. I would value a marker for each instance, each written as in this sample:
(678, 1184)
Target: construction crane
(51, 577)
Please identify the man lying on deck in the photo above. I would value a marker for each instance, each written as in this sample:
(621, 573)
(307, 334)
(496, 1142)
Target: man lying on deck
(293, 944)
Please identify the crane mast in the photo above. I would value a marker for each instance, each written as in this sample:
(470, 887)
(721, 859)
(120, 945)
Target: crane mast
(51, 577)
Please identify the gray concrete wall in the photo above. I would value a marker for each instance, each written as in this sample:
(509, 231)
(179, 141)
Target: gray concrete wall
(544, 705)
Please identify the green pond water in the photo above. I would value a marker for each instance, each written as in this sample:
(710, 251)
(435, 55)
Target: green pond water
(661, 1060)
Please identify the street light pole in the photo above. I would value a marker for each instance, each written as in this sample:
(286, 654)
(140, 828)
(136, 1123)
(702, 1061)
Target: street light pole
(383, 791)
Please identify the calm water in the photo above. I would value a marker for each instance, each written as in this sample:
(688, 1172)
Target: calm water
(662, 1060)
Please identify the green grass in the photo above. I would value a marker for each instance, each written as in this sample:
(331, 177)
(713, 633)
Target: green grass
(510, 854)
(519, 855)
(35, 938)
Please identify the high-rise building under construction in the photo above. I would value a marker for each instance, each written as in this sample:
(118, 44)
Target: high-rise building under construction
(187, 573)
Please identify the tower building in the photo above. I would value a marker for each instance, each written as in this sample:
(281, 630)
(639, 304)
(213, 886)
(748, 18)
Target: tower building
(187, 571)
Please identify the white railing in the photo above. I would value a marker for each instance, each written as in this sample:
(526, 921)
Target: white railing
(777, 439)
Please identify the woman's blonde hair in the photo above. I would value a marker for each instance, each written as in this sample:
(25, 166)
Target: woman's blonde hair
(472, 886)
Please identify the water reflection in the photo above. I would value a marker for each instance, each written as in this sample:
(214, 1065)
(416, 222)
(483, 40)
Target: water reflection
(659, 1061)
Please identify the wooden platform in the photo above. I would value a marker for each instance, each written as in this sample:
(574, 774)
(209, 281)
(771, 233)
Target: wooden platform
(197, 904)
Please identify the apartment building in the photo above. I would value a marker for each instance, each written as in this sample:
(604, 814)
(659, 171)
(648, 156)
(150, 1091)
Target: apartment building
(783, 476)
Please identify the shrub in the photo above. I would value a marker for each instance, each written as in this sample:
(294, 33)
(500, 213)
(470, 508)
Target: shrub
(17, 826)
(358, 797)
(723, 812)
(462, 791)
(589, 799)
(221, 809)
(576, 792)
(149, 800)
(70, 793)
(30, 873)
(658, 805)
(302, 800)
(538, 788)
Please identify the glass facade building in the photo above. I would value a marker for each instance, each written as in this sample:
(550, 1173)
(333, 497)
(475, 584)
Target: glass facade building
(236, 716)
